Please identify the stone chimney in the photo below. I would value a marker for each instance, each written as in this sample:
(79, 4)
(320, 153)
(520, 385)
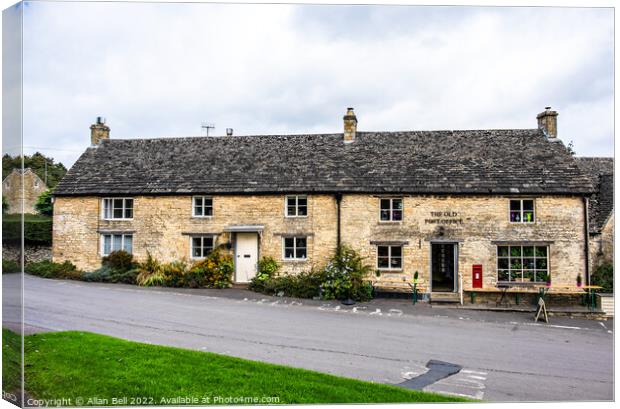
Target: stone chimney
(99, 131)
(548, 122)
(350, 126)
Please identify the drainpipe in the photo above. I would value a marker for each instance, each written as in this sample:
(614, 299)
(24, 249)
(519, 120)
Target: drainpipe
(586, 232)
(338, 200)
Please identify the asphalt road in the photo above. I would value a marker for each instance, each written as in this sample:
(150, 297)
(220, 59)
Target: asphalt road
(504, 356)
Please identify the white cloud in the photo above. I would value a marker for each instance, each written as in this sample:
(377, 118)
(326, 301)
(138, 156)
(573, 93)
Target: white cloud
(161, 69)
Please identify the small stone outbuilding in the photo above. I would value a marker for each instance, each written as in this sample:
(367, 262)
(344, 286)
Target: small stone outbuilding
(22, 188)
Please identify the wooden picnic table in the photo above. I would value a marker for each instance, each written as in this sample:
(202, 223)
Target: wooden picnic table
(518, 288)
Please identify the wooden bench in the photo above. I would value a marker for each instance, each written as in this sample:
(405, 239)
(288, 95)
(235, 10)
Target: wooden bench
(401, 287)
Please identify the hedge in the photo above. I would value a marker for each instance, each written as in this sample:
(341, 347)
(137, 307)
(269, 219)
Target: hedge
(37, 229)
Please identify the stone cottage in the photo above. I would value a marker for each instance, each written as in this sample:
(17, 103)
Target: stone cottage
(22, 187)
(601, 209)
(471, 208)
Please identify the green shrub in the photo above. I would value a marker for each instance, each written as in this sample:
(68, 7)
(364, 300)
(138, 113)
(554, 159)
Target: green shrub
(37, 229)
(346, 276)
(215, 271)
(49, 269)
(267, 269)
(150, 273)
(106, 274)
(604, 276)
(120, 261)
(175, 274)
(10, 266)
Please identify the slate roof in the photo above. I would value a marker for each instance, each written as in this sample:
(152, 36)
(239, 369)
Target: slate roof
(420, 162)
(601, 173)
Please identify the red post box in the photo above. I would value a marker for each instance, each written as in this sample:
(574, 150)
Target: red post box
(476, 276)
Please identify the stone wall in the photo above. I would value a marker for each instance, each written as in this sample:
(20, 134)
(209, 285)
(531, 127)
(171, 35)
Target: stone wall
(161, 225)
(602, 245)
(32, 254)
(475, 223)
(12, 191)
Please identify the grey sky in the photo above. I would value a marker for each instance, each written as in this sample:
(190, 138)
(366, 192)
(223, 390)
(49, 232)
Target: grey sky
(157, 70)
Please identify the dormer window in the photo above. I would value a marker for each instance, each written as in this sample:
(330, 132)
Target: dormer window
(521, 210)
(118, 208)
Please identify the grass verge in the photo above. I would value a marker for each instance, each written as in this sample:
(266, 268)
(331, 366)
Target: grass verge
(82, 365)
(11, 361)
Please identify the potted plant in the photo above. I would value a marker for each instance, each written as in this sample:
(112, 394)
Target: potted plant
(415, 277)
(579, 280)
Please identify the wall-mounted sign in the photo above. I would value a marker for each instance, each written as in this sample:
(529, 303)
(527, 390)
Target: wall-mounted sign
(445, 217)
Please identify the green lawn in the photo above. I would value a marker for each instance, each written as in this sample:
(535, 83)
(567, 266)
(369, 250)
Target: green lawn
(79, 364)
(11, 361)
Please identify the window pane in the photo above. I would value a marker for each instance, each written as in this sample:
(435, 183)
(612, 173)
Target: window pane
(117, 242)
(515, 205)
(196, 247)
(528, 217)
(383, 262)
(396, 262)
(129, 213)
(515, 251)
(300, 242)
(385, 204)
(118, 203)
(528, 263)
(502, 251)
(397, 204)
(541, 251)
(502, 263)
(129, 203)
(208, 201)
(502, 275)
(541, 264)
(397, 215)
(118, 213)
(541, 276)
(208, 211)
(301, 252)
(397, 251)
(107, 208)
(302, 211)
(289, 241)
(291, 201)
(197, 210)
(515, 264)
(208, 244)
(528, 205)
(198, 202)
(528, 251)
(515, 217)
(385, 215)
(290, 211)
(289, 252)
(128, 245)
(382, 251)
(302, 201)
(107, 244)
(516, 276)
(528, 275)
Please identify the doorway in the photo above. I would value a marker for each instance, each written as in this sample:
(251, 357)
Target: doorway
(246, 256)
(443, 267)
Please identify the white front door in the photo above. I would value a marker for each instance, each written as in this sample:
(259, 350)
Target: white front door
(246, 257)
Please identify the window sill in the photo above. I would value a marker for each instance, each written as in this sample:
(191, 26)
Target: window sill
(390, 270)
(295, 217)
(299, 260)
(202, 217)
(117, 220)
(389, 222)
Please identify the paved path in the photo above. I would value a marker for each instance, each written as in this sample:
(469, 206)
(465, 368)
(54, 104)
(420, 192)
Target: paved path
(504, 356)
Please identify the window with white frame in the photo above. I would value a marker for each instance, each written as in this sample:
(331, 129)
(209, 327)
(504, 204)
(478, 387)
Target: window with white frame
(522, 263)
(202, 206)
(118, 208)
(389, 257)
(296, 206)
(392, 209)
(202, 245)
(522, 210)
(295, 248)
(115, 242)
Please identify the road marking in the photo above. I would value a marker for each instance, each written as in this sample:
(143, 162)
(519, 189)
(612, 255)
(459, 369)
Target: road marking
(377, 312)
(603, 325)
(475, 372)
(296, 303)
(356, 309)
(395, 312)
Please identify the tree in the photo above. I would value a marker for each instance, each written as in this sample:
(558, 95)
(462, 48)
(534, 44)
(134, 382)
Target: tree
(39, 163)
(44, 204)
